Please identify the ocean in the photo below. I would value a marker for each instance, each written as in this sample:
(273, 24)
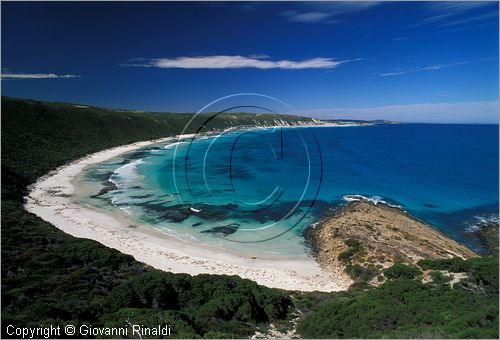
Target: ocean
(256, 191)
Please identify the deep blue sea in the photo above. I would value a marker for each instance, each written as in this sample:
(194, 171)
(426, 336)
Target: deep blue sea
(257, 190)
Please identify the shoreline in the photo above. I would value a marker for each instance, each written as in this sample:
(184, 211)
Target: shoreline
(50, 198)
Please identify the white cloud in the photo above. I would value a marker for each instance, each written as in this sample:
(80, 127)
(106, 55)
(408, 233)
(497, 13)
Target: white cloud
(449, 8)
(454, 13)
(37, 76)
(325, 12)
(420, 69)
(236, 62)
(309, 17)
(474, 18)
(482, 112)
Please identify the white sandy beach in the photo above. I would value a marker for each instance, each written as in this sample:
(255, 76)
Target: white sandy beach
(51, 199)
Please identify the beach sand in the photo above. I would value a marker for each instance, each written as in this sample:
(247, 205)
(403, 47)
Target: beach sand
(50, 198)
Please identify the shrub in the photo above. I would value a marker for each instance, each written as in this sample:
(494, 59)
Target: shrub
(355, 247)
(439, 278)
(402, 271)
(454, 265)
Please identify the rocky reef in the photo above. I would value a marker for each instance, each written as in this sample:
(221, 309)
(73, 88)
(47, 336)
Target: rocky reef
(487, 234)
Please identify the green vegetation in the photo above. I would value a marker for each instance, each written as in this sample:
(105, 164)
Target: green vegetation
(360, 274)
(404, 307)
(454, 265)
(39, 136)
(49, 277)
(439, 278)
(355, 247)
(402, 271)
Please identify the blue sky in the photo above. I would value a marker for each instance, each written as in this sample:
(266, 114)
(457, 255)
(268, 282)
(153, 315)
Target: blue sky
(408, 61)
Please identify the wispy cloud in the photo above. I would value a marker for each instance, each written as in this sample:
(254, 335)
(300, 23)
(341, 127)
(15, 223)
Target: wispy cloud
(37, 76)
(309, 17)
(420, 69)
(471, 19)
(237, 62)
(454, 13)
(325, 12)
(482, 112)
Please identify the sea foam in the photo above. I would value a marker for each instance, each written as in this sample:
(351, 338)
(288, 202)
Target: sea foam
(480, 221)
(374, 199)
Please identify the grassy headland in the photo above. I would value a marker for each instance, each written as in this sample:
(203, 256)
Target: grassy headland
(49, 277)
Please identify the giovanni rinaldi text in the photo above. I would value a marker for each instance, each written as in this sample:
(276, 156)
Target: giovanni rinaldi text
(50, 331)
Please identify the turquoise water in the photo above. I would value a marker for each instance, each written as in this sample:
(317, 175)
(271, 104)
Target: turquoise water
(257, 191)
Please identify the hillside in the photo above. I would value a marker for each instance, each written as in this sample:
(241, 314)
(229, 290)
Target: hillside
(49, 277)
(39, 136)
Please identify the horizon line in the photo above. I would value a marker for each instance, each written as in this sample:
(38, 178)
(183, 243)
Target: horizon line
(85, 105)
